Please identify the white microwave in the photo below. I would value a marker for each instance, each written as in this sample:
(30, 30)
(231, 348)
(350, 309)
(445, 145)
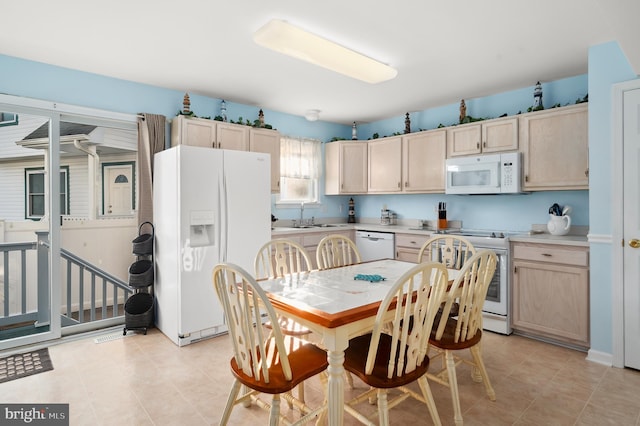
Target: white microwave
(484, 174)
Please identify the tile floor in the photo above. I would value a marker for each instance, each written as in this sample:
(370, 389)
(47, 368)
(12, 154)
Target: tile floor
(147, 380)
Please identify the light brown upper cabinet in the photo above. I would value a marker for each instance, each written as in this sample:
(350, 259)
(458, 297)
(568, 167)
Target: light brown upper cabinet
(423, 161)
(268, 141)
(496, 135)
(209, 133)
(232, 136)
(345, 168)
(193, 132)
(555, 148)
(385, 165)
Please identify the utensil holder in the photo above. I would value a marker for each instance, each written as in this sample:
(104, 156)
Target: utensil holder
(442, 219)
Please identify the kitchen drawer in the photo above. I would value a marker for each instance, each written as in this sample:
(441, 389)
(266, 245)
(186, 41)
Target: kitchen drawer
(314, 239)
(294, 238)
(552, 254)
(411, 240)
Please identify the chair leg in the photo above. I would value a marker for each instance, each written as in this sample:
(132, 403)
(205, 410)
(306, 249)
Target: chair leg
(383, 409)
(233, 394)
(453, 386)
(477, 357)
(349, 378)
(301, 392)
(274, 413)
(428, 397)
(245, 390)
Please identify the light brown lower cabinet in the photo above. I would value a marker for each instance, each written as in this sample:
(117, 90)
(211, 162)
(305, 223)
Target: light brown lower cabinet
(408, 246)
(310, 240)
(551, 292)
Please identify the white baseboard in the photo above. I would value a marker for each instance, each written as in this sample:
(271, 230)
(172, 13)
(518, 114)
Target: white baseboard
(600, 357)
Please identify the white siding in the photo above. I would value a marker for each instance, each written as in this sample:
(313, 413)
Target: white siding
(12, 185)
(9, 135)
(123, 139)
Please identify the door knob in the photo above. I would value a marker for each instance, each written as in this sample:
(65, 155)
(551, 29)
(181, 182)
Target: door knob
(635, 243)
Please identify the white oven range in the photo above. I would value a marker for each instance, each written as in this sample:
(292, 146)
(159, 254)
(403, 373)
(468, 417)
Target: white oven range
(497, 309)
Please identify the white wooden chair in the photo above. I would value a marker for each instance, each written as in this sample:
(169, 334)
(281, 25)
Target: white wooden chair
(453, 333)
(397, 358)
(336, 250)
(264, 365)
(278, 258)
(451, 250)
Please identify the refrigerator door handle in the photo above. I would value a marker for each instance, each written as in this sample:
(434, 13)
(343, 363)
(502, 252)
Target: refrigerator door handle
(223, 212)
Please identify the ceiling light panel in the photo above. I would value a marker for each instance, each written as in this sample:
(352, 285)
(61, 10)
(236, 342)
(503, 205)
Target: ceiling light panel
(290, 40)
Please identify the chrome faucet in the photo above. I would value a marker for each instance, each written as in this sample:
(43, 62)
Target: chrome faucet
(301, 212)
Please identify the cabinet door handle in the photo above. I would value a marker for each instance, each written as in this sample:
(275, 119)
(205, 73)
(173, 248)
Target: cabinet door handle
(547, 254)
(478, 145)
(399, 184)
(586, 173)
(406, 184)
(526, 178)
(484, 144)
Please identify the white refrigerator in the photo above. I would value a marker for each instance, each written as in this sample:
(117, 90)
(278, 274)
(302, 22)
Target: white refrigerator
(209, 206)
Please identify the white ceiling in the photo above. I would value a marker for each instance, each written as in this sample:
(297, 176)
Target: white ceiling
(444, 51)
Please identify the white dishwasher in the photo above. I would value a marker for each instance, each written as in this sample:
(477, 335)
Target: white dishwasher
(375, 245)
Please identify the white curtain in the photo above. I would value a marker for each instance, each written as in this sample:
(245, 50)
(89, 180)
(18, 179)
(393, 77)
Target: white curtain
(300, 158)
(151, 139)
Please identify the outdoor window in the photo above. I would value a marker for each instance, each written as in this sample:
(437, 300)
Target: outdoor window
(35, 199)
(8, 119)
(300, 161)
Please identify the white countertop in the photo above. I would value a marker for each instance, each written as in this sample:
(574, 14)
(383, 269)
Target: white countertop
(541, 238)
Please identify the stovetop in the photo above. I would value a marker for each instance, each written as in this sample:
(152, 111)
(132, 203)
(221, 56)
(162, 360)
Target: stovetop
(482, 238)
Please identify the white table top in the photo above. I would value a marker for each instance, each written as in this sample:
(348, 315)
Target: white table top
(336, 290)
(334, 294)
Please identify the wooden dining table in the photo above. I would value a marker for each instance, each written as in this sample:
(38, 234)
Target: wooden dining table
(338, 307)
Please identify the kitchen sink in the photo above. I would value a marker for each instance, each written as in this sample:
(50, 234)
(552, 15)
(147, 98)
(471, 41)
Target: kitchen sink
(317, 225)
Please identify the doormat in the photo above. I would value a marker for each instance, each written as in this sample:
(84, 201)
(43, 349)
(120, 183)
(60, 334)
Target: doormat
(21, 365)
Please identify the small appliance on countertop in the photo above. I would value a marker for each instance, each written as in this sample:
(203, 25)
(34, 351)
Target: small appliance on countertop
(387, 217)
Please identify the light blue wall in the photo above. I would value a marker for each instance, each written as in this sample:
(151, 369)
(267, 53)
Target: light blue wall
(562, 92)
(607, 66)
(516, 212)
(502, 212)
(47, 82)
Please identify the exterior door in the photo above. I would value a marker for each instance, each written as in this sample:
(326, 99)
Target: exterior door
(118, 194)
(631, 228)
(27, 296)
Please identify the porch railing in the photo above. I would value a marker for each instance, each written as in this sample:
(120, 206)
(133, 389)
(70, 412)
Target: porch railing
(91, 293)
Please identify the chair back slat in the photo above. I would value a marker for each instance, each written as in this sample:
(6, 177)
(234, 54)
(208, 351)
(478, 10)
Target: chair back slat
(469, 291)
(280, 257)
(417, 294)
(245, 303)
(336, 250)
(451, 250)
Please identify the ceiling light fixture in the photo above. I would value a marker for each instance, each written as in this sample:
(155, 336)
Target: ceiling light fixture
(312, 114)
(285, 38)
